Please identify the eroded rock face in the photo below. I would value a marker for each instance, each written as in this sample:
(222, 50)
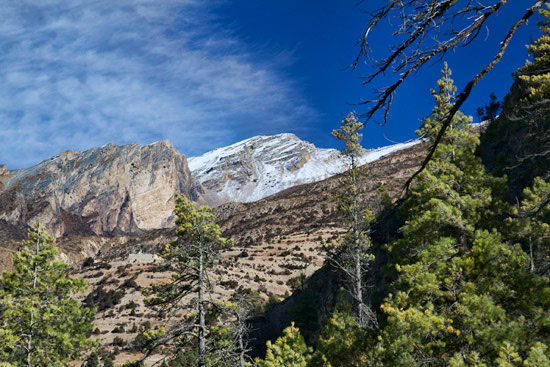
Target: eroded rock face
(108, 190)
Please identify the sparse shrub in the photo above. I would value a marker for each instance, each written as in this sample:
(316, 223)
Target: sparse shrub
(294, 266)
(102, 299)
(89, 261)
(92, 360)
(97, 275)
(295, 283)
(131, 283)
(131, 305)
(146, 325)
(119, 342)
(232, 284)
(273, 299)
(118, 330)
(104, 265)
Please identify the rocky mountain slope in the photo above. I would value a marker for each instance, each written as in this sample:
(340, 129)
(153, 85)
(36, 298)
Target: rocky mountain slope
(261, 166)
(278, 243)
(102, 191)
(129, 189)
(113, 207)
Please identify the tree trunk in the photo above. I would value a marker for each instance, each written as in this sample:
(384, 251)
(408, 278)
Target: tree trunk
(31, 325)
(357, 251)
(359, 287)
(241, 347)
(202, 326)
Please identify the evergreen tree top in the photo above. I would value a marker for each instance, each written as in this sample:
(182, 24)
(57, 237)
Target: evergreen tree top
(349, 133)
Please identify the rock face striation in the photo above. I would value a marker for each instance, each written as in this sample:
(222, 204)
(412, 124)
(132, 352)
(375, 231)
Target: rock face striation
(104, 191)
(261, 166)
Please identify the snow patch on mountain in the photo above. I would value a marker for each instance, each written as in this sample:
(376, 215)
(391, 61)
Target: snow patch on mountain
(261, 166)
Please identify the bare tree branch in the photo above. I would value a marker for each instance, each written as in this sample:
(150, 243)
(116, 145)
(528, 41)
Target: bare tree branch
(468, 89)
(418, 24)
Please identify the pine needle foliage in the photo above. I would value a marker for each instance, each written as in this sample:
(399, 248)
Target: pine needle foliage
(464, 295)
(41, 324)
(290, 350)
(536, 72)
(530, 225)
(343, 341)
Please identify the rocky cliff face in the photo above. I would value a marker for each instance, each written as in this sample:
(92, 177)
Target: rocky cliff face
(4, 175)
(103, 191)
(261, 166)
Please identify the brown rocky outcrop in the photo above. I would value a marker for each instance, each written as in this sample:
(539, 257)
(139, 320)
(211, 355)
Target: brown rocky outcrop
(4, 175)
(102, 191)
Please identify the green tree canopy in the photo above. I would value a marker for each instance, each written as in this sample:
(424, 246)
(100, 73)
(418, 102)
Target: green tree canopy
(464, 293)
(290, 350)
(342, 343)
(41, 324)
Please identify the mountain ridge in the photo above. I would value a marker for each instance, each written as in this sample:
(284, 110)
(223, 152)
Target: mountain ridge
(258, 167)
(127, 189)
(278, 241)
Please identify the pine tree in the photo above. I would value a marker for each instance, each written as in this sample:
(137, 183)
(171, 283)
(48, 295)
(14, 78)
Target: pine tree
(354, 256)
(535, 74)
(40, 323)
(92, 360)
(195, 251)
(464, 291)
(491, 110)
(529, 225)
(290, 350)
(108, 362)
(342, 343)
(518, 143)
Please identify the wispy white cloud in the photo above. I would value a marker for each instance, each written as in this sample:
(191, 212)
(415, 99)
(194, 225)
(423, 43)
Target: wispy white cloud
(78, 74)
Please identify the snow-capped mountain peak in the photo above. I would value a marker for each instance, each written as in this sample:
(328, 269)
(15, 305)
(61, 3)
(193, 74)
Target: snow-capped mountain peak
(261, 166)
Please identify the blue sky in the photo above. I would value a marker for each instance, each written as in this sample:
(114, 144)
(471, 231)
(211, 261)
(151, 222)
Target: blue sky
(204, 74)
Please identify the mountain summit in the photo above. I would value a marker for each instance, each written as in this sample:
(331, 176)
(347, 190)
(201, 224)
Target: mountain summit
(261, 166)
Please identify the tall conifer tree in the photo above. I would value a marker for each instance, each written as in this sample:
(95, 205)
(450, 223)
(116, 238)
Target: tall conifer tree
(41, 324)
(464, 294)
(196, 249)
(354, 256)
(535, 74)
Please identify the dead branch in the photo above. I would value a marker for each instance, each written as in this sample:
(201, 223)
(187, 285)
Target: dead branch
(435, 20)
(468, 89)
